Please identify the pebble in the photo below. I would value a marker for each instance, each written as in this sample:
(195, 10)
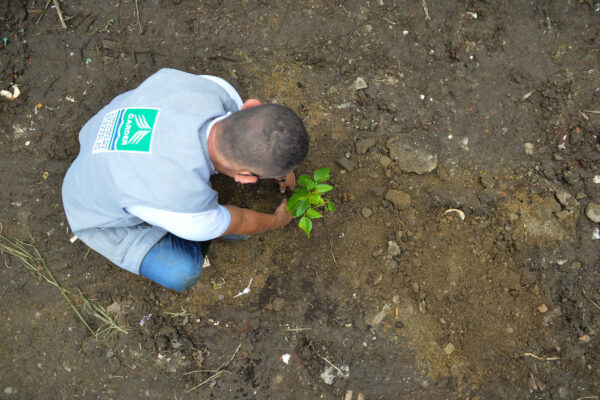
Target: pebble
(592, 211)
(8, 390)
(400, 199)
(366, 212)
(393, 248)
(563, 393)
(385, 161)
(509, 330)
(575, 266)
(360, 83)
(542, 308)
(409, 159)
(362, 146)
(528, 148)
(449, 349)
(344, 163)
(278, 304)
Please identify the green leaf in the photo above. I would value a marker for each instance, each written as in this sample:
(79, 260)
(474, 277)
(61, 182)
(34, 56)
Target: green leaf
(330, 206)
(312, 213)
(322, 175)
(306, 225)
(304, 180)
(300, 208)
(316, 200)
(301, 190)
(323, 188)
(292, 203)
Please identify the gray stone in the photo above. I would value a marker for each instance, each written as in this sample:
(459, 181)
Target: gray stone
(411, 159)
(400, 199)
(278, 304)
(592, 211)
(362, 146)
(366, 212)
(393, 248)
(344, 163)
(385, 161)
(360, 84)
(114, 308)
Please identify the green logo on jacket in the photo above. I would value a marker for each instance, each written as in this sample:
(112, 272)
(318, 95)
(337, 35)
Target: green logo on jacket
(126, 129)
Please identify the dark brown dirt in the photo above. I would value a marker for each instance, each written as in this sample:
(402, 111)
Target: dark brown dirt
(448, 309)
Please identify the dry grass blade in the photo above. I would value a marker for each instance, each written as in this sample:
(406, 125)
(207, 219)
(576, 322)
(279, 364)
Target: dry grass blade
(217, 373)
(30, 256)
(96, 310)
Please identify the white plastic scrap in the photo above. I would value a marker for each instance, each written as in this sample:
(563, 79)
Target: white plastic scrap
(11, 96)
(596, 234)
(596, 179)
(285, 358)
(245, 291)
(331, 373)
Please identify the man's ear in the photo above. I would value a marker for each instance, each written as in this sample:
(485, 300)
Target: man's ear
(245, 178)
(251, 103)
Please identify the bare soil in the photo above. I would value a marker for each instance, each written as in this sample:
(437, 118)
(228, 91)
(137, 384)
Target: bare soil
(417, 303)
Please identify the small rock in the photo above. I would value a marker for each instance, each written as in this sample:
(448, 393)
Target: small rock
(542, 308)
(399, 325)
(415, 287)
(278, 304)
(566, 199)
(580, 196)
(563, 393)
(400, 199)
(108, 44)
(393, 248)
(360, 84)
(362, 146)
(344, 163)
(449, 349)
(509, 330)
(411, 159)
(366, 212)
(377, 319)
(114, 308)
(8, 390)
(592, 211)
(575, 266)
(487, 181)
(385, 161)
(528, 148)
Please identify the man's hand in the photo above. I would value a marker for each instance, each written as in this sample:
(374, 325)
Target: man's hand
(245, 221)
(288, 181)
(282, 215)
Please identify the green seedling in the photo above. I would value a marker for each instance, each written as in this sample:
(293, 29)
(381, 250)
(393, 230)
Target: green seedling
(308, 197)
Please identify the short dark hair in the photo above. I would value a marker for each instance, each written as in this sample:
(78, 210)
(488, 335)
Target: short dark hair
(268, 139)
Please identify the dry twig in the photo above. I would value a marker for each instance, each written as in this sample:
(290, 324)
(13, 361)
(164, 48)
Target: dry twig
(217, 372)
(542, 358)
(591, 301)
(427, 18)
(137, 11)
(60, 14)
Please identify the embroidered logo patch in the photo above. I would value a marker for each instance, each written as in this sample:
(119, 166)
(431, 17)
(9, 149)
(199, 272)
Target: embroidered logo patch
(126, 129)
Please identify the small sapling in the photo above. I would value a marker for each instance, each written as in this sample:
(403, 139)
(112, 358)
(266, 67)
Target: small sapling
(308, 197)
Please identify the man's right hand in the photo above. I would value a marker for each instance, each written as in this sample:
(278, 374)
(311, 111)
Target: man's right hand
(245, 221)
(282, 215)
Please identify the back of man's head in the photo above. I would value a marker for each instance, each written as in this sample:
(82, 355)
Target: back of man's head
(269, 140)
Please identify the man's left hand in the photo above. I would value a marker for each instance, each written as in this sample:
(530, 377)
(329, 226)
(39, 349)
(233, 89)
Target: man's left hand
(288, 181)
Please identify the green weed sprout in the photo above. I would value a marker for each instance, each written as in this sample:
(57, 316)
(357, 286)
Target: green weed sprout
(307, 198)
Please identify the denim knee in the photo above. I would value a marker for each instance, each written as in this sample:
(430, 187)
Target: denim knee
(174, 263)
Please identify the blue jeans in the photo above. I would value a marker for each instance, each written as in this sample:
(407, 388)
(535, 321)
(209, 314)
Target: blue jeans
(176, 263)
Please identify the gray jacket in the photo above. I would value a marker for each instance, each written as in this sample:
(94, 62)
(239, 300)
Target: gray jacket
(147, 147)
